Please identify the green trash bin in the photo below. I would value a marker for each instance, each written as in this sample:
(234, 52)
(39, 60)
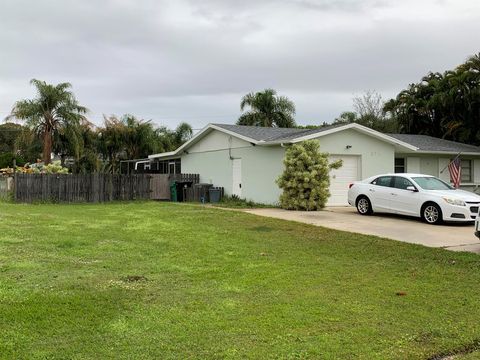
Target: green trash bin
(173, 192)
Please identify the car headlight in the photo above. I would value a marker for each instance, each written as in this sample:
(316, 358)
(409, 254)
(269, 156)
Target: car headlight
(452, 201)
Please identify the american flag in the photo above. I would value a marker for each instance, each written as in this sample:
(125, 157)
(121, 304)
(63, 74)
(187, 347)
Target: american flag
(455, 169)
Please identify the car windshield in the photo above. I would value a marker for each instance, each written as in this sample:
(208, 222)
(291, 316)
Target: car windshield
(432, 183)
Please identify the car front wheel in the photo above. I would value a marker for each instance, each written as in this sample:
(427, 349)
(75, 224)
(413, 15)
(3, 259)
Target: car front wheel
(432, 214)
(364, 207)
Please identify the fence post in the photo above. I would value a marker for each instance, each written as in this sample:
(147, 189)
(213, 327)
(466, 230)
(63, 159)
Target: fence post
(15, 180)
(94, 178)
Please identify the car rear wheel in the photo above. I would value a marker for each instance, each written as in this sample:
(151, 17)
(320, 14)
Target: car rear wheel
(432, 214)
(364, 207)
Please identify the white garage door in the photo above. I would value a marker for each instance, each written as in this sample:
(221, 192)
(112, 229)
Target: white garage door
(341, 178)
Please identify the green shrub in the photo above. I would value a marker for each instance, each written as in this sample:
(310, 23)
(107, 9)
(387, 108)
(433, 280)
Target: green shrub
(305, 181)
(235, 202)
(6, 160)
(54, 167)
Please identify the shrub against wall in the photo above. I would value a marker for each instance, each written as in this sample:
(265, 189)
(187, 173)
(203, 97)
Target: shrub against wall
(305, 181)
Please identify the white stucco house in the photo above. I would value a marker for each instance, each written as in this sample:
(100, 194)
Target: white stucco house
(246, 160)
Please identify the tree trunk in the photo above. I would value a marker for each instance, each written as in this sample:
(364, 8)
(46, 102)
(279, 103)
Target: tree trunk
(47, 147)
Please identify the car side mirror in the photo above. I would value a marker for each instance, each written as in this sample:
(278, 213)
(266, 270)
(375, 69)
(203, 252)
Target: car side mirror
(412, 188)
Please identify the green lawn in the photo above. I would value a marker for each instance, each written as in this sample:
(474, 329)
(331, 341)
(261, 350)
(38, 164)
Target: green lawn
(165, 281)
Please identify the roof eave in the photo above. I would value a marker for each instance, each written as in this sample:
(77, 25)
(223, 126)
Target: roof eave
(472, 153)
(360, 128)
(162, 155)
(198, 136)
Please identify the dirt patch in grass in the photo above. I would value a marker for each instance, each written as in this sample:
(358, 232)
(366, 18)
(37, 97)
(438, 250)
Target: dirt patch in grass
(458, 353)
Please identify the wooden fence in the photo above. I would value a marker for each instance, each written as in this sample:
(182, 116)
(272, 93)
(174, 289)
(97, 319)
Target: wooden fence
(200, 193)
(194, 178)
(3, 187)
(95, 187)
(80, 188)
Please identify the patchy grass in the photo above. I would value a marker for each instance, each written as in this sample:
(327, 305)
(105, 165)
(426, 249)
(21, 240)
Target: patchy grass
(158, 280)
(237, 203)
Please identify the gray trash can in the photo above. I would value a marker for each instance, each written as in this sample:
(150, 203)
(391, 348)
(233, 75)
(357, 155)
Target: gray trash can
(215, 195)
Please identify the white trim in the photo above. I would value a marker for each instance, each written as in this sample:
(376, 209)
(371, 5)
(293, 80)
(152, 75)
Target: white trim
(360, 128)
(433, 152)
(315, 135)
(198, 136)
(161, 155)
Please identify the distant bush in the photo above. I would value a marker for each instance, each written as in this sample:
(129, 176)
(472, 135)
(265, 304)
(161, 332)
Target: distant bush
(6, 160)
(38, 168)
(52, 168)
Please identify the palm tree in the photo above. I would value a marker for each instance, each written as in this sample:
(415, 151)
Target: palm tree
(169, 140)
(55, 107)
(267, 109)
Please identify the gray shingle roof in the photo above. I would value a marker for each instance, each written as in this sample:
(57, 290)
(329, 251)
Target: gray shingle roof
(422, 142)
(429, 143)
(271, 134)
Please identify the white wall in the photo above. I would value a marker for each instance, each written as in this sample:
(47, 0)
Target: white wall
(262, 165)
(433, 165)
(210, 158)
(376, 156)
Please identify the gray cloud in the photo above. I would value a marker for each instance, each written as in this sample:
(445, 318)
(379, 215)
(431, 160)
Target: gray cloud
(193, 60)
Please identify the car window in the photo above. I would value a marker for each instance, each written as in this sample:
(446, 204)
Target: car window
(401, 183)
(432, 183)
(382, 181)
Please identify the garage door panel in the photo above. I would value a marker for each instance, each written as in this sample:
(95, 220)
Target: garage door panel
(341, 178)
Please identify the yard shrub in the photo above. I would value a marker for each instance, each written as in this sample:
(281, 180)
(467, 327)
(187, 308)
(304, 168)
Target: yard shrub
(6, 160)
(305, 181)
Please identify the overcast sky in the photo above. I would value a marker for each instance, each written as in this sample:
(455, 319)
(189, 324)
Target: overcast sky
(189, 60)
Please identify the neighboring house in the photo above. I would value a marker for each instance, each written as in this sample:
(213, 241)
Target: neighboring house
(246, 160)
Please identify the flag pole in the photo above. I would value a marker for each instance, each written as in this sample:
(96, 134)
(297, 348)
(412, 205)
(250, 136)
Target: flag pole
(455, 158)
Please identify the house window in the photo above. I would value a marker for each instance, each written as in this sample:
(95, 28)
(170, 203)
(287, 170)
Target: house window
(466, 174)
(399, 165)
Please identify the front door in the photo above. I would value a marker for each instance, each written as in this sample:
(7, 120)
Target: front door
(237, 177)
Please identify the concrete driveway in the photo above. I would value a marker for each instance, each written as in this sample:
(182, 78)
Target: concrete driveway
(456, 237)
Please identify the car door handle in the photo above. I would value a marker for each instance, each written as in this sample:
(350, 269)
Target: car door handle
(393, 194)
(371, 190)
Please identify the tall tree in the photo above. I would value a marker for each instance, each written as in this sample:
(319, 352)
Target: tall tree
(54, 107)
(169, 140)
(442, 104)
(267, 109)
(369, 112)
(129, 138)
(111, 141)
(9, 132)
(139, 137)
